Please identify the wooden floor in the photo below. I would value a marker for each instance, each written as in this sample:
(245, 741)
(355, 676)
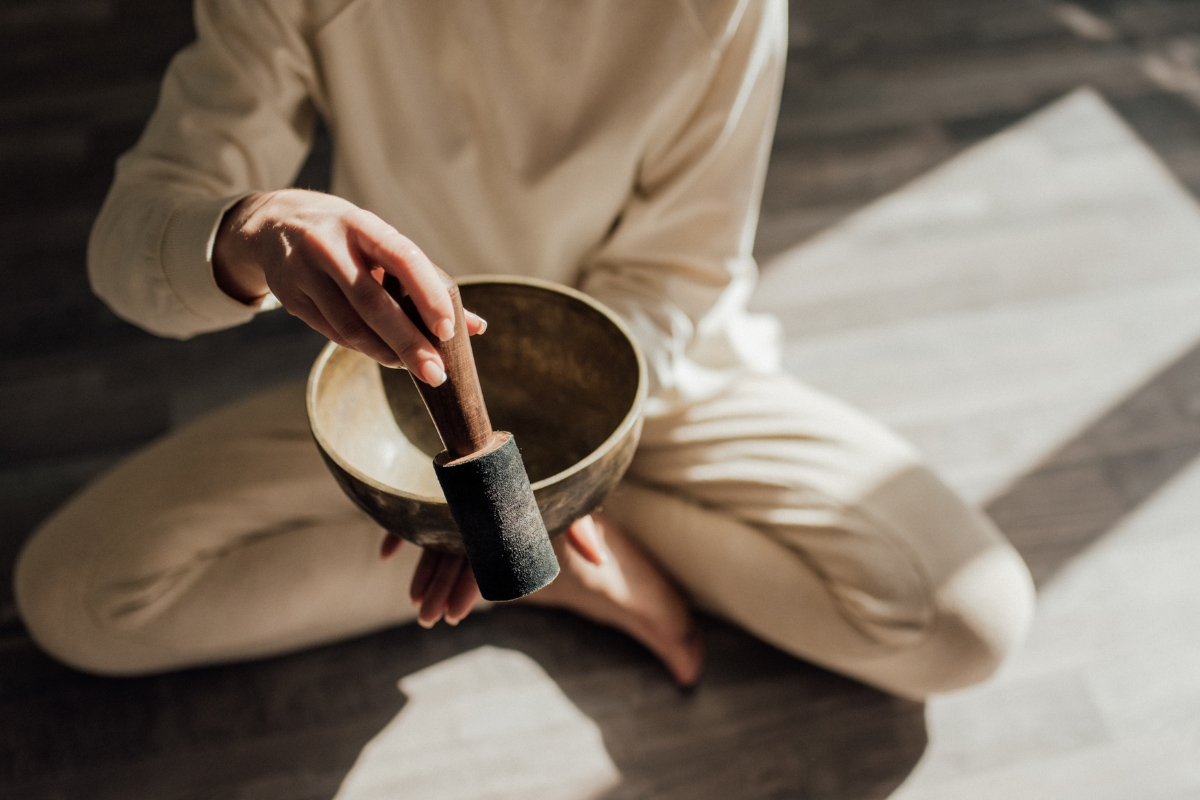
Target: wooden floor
(878, 93)
(1026, 314)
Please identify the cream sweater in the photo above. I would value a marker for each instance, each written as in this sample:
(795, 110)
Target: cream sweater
(616, 146)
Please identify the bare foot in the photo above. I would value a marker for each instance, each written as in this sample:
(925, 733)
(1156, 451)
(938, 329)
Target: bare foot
(608, 579)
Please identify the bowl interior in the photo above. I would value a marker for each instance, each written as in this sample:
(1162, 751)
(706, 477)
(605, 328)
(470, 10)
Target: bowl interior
(556, 372)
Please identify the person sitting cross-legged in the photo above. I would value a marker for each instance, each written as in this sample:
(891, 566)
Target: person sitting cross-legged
(616, 147)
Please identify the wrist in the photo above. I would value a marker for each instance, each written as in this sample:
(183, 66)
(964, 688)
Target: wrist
(235, 263)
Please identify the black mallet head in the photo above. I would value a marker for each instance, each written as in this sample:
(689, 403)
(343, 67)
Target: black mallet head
(502, 529)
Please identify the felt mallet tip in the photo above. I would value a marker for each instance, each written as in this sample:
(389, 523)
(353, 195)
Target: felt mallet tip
(502, 530)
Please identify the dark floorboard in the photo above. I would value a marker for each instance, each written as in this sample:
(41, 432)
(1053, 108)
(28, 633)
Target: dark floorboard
(877, 93)
(760, 725)
(1090, 483)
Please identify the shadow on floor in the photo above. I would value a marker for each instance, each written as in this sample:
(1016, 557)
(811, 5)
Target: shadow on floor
(761, 725)
(1082, 490)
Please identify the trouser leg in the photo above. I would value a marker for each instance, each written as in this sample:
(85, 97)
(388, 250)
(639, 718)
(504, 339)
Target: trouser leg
(773, 505)
(820, 531)
(226, 540)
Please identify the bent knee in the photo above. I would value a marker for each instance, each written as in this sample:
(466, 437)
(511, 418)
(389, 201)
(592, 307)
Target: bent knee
(983, 613)
(50, 588)
(43, 588)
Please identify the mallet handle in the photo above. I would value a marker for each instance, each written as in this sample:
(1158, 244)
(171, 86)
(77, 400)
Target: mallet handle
(457, 406)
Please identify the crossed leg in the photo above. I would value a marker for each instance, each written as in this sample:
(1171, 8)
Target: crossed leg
(225, 540)
(772, 505)
(822, 532)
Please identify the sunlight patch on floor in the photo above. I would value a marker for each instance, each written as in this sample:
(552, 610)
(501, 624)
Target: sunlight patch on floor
(994, 307)
(489, 724)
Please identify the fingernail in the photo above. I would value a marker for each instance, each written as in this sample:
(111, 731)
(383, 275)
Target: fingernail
(445, 330)
(433, 374)
(426, 624)
(482, 325)
(453, 622)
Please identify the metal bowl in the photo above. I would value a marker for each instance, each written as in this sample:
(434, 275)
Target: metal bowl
(559, 371)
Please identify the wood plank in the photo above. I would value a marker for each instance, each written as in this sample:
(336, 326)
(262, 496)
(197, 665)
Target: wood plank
(761, 725)
(877, 92)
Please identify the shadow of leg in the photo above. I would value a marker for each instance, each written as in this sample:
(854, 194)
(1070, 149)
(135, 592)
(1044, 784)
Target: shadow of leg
(761, 724)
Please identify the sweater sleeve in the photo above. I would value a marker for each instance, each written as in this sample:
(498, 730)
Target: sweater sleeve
(234, 115)
(678, 265)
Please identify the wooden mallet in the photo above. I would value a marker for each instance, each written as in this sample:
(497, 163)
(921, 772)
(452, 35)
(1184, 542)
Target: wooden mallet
(481, 472)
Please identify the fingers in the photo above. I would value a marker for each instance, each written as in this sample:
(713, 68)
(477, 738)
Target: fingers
(585, 537)
(463, 597)
(426, 284)
(476, 324)
(365, 314)
(382, 314)
(423, 575)
(302, 308)
(377, 327)
(441, 586)
(317, 254)
(349, 326)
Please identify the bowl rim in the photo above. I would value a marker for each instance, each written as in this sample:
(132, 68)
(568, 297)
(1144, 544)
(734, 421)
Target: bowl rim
(632, 417)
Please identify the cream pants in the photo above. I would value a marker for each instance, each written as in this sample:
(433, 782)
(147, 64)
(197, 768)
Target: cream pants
(773, 506)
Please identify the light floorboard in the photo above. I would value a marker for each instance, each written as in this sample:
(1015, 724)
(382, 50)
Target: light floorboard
(993, 308)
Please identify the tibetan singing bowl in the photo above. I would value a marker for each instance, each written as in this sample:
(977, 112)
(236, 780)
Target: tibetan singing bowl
(559, 371)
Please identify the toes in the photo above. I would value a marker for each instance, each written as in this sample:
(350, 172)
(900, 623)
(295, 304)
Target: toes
(690, 664)
(682, 656)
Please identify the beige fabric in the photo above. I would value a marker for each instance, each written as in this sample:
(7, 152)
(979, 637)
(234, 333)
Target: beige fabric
(822, 532)
(772, 505)
(616, 146)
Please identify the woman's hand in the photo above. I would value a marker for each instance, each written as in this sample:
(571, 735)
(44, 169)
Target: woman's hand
(323, 258)
(443, 584)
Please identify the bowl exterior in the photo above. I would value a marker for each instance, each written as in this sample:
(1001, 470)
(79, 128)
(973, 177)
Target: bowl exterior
(430, 524)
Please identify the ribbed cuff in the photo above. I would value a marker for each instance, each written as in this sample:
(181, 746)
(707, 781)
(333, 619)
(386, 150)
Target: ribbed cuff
(187, 248)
